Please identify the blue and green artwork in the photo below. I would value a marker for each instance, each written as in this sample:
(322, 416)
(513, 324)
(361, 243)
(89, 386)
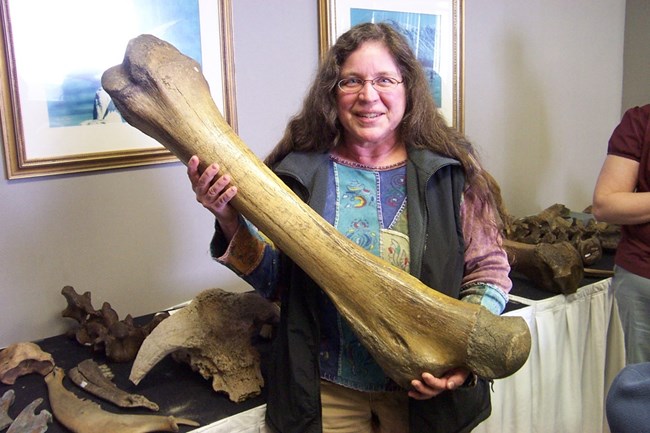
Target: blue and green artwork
(423, 33)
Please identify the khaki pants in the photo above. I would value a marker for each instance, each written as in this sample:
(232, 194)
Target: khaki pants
(346, 410)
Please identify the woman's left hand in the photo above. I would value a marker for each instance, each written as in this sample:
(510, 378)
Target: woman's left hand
(430, 386)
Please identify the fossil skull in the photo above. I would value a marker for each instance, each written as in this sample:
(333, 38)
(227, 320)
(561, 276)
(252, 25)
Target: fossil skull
(213, 334)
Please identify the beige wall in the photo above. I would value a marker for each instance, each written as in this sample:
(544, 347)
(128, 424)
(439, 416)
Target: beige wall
(543, 94)
(543, 91)
(636, 85)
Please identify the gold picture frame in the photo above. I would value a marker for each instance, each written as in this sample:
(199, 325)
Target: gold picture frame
(53, 121)
(436, 25)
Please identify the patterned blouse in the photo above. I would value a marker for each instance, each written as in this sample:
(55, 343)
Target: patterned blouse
(368, 205)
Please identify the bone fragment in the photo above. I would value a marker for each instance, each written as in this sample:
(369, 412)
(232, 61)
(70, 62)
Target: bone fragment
(590, 250)
(408, 327)
(79, 307)
(90, 378)
(213, 334)
(598, 273)
(5, 403)
(19, 359)
(102, 330)
(28, 422)
(84, 416)
(556, 267)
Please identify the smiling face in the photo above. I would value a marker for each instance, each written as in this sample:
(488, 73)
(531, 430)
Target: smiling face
(371, 118)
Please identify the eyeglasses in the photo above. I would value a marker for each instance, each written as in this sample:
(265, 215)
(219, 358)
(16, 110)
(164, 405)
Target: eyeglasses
(380, 84)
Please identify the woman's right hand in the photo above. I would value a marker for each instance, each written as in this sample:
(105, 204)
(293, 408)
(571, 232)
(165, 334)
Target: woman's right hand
(214, 193)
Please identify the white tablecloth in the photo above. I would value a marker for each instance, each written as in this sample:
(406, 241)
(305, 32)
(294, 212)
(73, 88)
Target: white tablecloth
(251, 421)
(577, 349)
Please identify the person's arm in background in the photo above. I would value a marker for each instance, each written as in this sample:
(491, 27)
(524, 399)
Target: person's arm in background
(615, 198)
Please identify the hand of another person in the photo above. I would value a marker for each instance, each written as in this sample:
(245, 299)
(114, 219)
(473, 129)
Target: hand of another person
(213, 192)
(431, 386)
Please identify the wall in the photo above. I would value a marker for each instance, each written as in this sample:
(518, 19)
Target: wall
(636, 85)
(543, 94)
(543, 91)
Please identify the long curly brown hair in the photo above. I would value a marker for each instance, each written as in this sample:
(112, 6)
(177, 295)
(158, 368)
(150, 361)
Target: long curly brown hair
(316, 127)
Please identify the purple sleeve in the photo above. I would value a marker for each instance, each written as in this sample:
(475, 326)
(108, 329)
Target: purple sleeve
(486, 278)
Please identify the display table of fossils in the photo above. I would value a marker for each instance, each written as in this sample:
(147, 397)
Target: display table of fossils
(83, 381)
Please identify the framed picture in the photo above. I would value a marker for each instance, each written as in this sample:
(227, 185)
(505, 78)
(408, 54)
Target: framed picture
(434, 29)
(55, 116)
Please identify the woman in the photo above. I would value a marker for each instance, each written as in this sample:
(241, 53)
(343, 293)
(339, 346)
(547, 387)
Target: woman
(372, 155)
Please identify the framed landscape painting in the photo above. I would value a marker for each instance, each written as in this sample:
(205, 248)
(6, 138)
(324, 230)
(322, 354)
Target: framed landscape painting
(55, 116)
(434, 29)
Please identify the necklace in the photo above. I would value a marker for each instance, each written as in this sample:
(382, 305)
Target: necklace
(366, 167)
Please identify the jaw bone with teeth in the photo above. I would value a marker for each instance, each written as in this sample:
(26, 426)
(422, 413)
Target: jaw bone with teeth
(80, 415)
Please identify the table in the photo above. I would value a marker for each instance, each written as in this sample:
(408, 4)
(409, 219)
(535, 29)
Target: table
(577, 349)
(173, 386)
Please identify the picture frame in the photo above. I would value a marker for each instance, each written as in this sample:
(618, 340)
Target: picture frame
(52, 107)
(435, 31)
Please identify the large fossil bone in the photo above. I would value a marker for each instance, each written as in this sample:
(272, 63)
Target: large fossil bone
(408, 327)
(84, 416)
(213, 334)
